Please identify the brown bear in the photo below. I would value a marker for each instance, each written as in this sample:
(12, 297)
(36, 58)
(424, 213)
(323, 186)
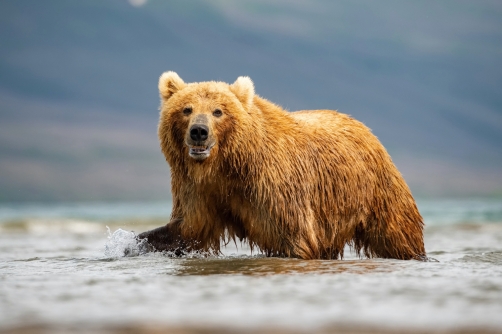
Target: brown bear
(292, 184)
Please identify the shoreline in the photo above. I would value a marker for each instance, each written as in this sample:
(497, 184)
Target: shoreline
(177, 329)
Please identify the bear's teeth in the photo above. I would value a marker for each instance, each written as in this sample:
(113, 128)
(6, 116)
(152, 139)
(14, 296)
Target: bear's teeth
(198, 149)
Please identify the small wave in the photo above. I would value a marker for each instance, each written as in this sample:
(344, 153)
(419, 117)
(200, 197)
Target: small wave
(487, 257)
(87, 211)
(48, 226)
(43, 226)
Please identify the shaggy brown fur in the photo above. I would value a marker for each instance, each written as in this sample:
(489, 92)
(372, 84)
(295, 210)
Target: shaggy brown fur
(298, 184)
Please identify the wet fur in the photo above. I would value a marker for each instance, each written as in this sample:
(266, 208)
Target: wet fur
(301, 184)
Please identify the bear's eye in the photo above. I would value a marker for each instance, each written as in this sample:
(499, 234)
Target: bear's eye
(217, 113)
(187, 111)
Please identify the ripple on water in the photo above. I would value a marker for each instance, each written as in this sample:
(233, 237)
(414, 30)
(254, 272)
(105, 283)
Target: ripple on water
(36, 258)
(123, 243)
(486, 257)
(262, 266)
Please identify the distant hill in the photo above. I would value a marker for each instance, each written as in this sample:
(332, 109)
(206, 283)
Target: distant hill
(79, 103)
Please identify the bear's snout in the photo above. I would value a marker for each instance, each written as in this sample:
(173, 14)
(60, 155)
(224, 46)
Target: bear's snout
(199, 140)
(199, 132)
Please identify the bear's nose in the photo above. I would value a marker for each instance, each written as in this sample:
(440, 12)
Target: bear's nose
(199, 132)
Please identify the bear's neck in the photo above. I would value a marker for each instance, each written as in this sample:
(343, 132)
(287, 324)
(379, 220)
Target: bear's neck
(270, 127)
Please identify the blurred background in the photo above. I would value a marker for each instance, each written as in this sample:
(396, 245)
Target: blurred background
(79, 100)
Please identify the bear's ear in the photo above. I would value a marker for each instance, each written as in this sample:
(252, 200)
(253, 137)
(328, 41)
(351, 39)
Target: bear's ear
(243, 88)
(170, 83)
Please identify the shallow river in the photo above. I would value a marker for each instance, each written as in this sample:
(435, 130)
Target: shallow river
(62, 270)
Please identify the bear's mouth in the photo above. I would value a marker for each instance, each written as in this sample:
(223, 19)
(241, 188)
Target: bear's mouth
(199, 152)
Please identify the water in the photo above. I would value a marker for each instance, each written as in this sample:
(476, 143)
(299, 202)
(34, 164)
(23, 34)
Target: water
(62, 270)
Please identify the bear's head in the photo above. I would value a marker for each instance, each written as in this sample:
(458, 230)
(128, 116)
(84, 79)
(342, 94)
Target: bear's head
(198, 121)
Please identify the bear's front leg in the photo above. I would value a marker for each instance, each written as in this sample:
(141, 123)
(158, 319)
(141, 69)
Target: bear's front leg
(166, 238)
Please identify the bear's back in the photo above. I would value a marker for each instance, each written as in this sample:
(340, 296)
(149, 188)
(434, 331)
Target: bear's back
(313, 116)
(331, 121)
(330, 127)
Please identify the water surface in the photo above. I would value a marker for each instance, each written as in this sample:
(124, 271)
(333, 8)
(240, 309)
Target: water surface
(60, 267)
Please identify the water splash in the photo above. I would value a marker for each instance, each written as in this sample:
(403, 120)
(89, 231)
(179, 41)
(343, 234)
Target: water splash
(124, 243)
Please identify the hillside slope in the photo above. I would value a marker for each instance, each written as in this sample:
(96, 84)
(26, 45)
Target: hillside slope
(78, 98)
